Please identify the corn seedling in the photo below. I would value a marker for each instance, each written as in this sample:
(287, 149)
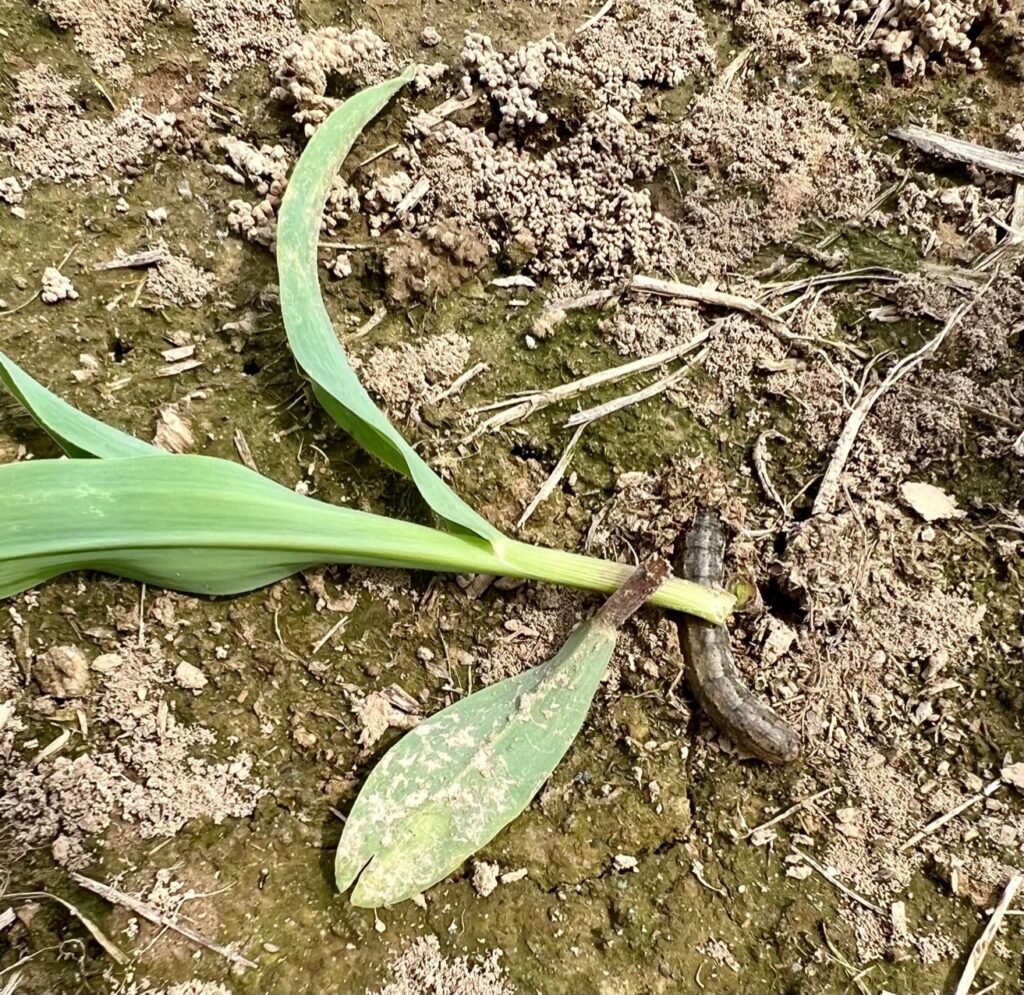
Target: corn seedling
(211, 526)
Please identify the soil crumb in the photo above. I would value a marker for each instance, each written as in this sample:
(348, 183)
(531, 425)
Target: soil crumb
(422, 968)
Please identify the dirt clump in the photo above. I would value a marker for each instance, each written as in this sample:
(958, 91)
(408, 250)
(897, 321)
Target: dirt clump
(178, 280)
(152, 775)
(422, 269)
(62, 671)
(913, 35)
(643, 327)
(104, 31)
(358, 58)
(56, 287)
(763, 166)
(50, 137)
(241, 33)
(422, 967)
(407, 377)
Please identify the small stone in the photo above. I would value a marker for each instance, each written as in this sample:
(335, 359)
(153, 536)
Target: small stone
(762, 837)
(424, 654)
(189, 677)
(799, 871)
(780, 639)
(850, 830)
(485, 877)
(973, 783)
(62, 671)
(531, 342)
(158, 215)
(623, 862)
(430, 36)
(271, 948)
(379, 926)
(107, 662)
(931, 503)
(510, 877)
(1014, 774)
(303, 737)
(121, 206)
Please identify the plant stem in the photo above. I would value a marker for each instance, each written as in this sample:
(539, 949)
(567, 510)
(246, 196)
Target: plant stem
(575, 570)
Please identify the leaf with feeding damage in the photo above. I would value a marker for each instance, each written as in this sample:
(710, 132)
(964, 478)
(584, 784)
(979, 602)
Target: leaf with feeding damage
(452, 783)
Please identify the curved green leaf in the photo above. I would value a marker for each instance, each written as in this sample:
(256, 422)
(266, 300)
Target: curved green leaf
(78, 434)
(310, 334)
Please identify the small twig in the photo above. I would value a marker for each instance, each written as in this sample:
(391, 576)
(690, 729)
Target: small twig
(376, 155)
(988, 934)
(524, 405)
(459, 382)
(644, 394)
(54, 746)
(591, 21)
(244, 452)
(113, 950)
(319, 644)
(941, 820)
(782, 816)
(137, 260)
(935, 143)
(831, 878)
(553, 478)
(351, 246)
(760, 459)
(697, 869)
(830, 481)
(413, 197)
(118, 897)
(876, 19)
(866, 274)
(634, 593)
(704, 295)
(426, 121)
(731, 71)
(369, 325)
(141, 634)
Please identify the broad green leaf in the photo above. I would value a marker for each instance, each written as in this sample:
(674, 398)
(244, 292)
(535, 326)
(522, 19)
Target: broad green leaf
(310, 334)
(194, 523)
(77, 433)
(210, 526)
(449, 786)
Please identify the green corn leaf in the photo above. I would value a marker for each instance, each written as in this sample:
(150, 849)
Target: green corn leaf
(210, 526)
(77, 433)
(449, 786)
(310, 334)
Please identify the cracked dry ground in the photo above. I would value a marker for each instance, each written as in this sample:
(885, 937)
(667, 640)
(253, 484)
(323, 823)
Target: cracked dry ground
(214, 745)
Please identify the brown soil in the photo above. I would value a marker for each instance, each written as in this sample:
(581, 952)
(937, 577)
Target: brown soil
(200, 754)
